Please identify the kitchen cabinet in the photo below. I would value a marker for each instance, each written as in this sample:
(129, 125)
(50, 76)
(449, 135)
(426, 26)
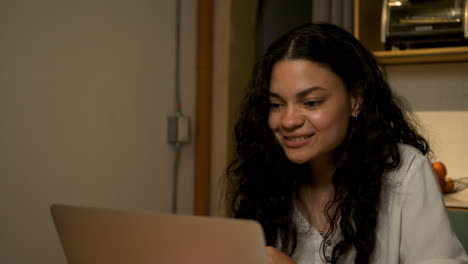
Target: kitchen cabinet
(367, 22)
(459, 218)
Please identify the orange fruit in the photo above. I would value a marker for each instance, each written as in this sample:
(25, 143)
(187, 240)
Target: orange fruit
(448, 185)
(440, 171)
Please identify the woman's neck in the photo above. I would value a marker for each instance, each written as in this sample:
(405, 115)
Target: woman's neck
(312, 203)
(317, 193)
(321, 173)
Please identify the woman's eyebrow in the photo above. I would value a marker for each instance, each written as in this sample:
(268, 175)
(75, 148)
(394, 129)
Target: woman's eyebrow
(307, 91)
(275, 95)
(300, 94)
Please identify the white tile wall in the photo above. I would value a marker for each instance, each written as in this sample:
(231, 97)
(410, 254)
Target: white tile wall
(438, 96)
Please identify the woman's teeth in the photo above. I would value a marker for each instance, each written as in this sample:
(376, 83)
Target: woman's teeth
(297, 138)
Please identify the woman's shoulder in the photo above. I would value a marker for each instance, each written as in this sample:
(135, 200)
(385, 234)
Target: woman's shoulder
(411, 160)
(409, 155)
(407, 151)
(412, 176)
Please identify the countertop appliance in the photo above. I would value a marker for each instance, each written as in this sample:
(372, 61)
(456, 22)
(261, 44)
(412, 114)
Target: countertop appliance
(424, 23)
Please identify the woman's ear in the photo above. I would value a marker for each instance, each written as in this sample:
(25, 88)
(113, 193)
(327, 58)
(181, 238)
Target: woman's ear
(356, 101)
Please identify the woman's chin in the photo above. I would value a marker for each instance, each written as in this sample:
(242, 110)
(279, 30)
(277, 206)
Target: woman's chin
(297, 159)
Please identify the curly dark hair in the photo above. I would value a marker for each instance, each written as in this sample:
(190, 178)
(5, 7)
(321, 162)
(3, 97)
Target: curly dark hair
(259, 182)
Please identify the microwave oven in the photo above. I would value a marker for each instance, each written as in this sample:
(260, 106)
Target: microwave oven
(424, 23)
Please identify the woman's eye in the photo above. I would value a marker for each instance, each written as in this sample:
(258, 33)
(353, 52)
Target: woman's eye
(275, 105)
(312, 103)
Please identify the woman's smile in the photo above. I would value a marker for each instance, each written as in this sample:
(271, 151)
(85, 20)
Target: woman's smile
(297, 141)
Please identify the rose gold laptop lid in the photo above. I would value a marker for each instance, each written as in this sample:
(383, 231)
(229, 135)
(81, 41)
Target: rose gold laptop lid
(107, 236)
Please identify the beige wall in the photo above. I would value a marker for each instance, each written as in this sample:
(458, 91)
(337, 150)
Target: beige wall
(85, 89)
(438, 94)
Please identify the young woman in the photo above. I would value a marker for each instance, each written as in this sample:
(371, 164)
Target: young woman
(330, 163)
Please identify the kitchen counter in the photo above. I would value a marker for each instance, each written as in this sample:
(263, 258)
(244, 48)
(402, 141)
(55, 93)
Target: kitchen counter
(457, 199)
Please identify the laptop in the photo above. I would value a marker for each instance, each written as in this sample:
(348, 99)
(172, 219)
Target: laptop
(109, 236)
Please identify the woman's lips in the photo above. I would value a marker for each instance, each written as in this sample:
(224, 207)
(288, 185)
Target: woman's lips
(296, 141)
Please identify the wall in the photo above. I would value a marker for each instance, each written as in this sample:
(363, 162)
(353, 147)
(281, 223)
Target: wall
(85, 89)
(438, 95)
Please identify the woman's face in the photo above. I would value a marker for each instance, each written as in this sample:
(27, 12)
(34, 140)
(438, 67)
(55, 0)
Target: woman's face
(310, 110)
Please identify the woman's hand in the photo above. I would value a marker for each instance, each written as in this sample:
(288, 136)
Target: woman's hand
(277, 257)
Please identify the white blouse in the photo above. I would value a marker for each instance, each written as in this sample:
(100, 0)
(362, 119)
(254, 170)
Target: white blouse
(412, 227)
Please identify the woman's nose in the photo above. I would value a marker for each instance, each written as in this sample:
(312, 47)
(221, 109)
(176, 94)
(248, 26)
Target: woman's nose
(292, 119)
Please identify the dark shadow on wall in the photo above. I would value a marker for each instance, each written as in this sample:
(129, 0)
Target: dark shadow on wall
(276, 17)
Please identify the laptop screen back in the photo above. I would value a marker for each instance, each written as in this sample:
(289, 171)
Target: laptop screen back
(105, 236)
